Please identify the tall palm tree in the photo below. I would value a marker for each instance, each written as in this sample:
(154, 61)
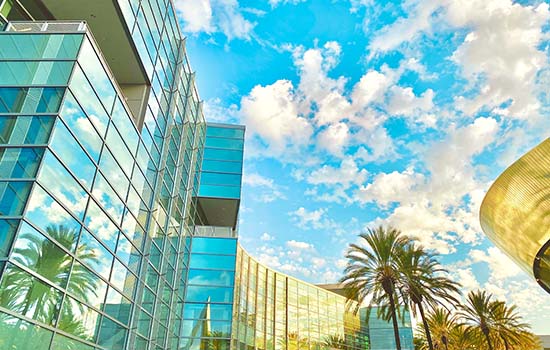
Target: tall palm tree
(478, 314)
(510, 331)
(441, 324)
(423, 283)
(373, 271)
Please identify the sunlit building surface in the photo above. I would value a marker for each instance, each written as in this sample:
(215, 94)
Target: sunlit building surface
(515, 213)
(107, 240)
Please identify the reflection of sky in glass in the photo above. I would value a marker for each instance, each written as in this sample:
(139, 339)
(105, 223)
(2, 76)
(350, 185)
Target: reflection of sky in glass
(43, 211)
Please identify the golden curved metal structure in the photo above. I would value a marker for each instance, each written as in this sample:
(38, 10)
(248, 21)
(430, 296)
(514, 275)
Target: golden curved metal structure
(515, 213)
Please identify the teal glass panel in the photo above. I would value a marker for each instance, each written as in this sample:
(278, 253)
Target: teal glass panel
(94, 254)
(112, 170)
(221, 166)
(218, 262)
(31, 46)
(210, 245)
(125, 126)
(81, 126)
(44, 212)
(16, 334)
(96, 74)
(25, 73)
(41, 255)
(99, 223)
(117, 306)
(211, 278)
(78, 319)
(206, 328)
(54, 177)
(27, 296)
(25, 130)
(85, 285)
(118, 149)
(13, 197)
(220, 191)
(7, 232)
(111, 334)
(123, 279)
(20, 162)
(108, 198)
(30, 100)
(223, 154)
(220, 179)
(61, 342)
(216, 142)
(85, 95)
(200, 311)
(224, 132)
(70, 152)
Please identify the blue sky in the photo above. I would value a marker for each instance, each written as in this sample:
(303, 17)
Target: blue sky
(361, 113)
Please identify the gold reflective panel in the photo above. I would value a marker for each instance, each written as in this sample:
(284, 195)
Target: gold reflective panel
(515, 213)
(279, 312)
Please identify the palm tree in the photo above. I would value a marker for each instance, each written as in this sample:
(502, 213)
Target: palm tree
(23, 293)
(509, 328)
(335, 341)
(373, 271)
(441, 324)
(478, 314)
(422, 283)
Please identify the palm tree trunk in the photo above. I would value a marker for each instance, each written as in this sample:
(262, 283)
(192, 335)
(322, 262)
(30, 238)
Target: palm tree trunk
(426, 327)
(394, 321)
(486, 333)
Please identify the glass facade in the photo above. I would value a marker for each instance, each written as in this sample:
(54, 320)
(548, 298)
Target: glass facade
(514, 213)
(381, 334)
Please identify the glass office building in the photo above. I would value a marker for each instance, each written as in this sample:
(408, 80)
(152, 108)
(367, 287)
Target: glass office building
(107, 241)
(514, 213)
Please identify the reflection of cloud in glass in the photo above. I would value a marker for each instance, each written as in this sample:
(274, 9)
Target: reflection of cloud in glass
(101, 225)
(43, 210)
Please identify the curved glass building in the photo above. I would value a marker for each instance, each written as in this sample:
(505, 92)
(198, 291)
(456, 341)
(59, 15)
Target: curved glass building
(515, 213)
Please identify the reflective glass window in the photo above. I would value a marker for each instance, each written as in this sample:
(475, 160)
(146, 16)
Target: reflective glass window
(20, 162)
(51, 46)
(81, 126)
(117, 306)
(214, 245)
(119, 150)
(224, 132)
(25, 129)
(111, 334)
(128, 254)
(94, 254)
(55, 177)
(212, 294)
(112, 170)
(108, 198)
(70, 152)
(21, 335)
(217, 142)
(40, 254)
(132, 229)
(85, 285)
(211, 277)
(124, 125)
(26, 295)
(7, 232)
(61, 342)
(123, 279)
(220, 179)
(78, 319)
(220, 191)
(45, 212)
(200, 311)
(204, 261)
(223, 154)
(96, 74)
(206, 327)
(101, 225)
(221, 166)
(24, 73)
(13, 196)
(89, 101)
(30, 100)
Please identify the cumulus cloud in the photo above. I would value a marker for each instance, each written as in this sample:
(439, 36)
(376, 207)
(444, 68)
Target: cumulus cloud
(266, 190)
(311, 219)
(214, 16)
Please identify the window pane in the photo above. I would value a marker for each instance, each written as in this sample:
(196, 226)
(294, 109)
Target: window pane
(85, 285)
(13, 196)
(223, 154)
(221, 166)
(24, 294)
(211, 294)
(21, 335)
(217, 142)
(38, 253)
(7, 232)
(220, 179)
(112, 335)
(20, 162)
(78, 319)
(217, 311)
(63, 343)
(220, 191)
(94, 254)
(101, 225)
(224, 132)
(211, 278)
(87, 98)
(70, 152)
(118, 306)
(214, 245)
(30, 100)
(24, 73)
(25, 130)
(45, 212)
(57, 46)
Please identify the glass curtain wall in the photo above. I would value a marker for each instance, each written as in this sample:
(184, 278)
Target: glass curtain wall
(94, 213)
(381, 334)
(273, 311)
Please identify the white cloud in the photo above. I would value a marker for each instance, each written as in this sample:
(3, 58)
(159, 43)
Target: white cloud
(389, 188)
(215, 15)
(501, 266)
(314, 219)
(266, 190)
(347, 174)
(299, 245)
(266, 237)
(214, 111)
(275, 3)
